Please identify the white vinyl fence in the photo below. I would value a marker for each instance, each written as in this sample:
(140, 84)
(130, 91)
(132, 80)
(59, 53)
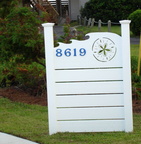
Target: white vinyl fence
(89, 82)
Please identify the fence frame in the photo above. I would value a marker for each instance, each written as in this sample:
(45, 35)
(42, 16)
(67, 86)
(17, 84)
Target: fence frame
(51, 84)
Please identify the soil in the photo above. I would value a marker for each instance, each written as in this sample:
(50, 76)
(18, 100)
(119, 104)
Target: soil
(18, 95)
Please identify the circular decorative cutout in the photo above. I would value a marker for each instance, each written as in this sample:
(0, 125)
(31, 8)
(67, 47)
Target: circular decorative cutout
(104, 49)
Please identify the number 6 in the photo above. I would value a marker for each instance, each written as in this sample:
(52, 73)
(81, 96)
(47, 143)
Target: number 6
(68, 52)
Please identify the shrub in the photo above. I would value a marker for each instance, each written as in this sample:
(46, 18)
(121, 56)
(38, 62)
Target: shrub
(22, 58)
(29, 77)
(135, 18)
(136, 80)
(20, 35)
(134, 64)
(70, 34)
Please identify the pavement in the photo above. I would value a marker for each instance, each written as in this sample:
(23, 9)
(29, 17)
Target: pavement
(134, 40)
(58, 30)
(10, 139)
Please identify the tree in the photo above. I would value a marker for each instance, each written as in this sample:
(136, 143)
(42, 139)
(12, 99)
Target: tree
(135, 18)
(5, 7)
(113, 10)
(20, 35)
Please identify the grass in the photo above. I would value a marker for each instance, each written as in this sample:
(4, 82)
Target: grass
(114, 29)
(23, 120)
(135, 50)
(85, 29)
(30, 122)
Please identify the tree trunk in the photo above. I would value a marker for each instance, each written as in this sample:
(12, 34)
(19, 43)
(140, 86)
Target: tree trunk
(59, 7)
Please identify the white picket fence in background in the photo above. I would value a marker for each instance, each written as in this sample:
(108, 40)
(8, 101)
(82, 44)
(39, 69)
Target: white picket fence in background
(89, 82)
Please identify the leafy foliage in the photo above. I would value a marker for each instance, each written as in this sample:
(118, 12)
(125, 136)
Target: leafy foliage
(22, 60)
(6, 6)
(136, 80)
(113, 10)
(29, 77)
(135, 18)
(20, 35)
(71, 34)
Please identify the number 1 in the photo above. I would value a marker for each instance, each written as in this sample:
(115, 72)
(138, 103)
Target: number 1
(75, 52)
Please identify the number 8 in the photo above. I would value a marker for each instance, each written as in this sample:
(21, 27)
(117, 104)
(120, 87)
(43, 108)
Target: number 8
(58, 52)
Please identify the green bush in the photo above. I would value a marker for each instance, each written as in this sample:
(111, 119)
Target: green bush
(136, 80)
(20, 35)
(134, 64)
(22, 55)
(29, 77)
(70, 34)
(135, 18)
(113, 10)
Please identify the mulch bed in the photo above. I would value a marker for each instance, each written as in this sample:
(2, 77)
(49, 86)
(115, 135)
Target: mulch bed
(18, 95)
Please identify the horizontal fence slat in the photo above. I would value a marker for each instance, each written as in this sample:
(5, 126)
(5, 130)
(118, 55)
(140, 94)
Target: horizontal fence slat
(90, 126)
(92, 87)
(88, 74)
(90, 113)
(84, 62)
(90, 100)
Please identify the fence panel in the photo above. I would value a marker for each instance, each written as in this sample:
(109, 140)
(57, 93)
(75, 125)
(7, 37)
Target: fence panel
(89, 83)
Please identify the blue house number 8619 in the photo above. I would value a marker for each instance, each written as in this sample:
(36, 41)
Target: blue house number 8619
(70, 52)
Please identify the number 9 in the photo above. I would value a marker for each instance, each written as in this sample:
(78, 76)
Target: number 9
(82, 52)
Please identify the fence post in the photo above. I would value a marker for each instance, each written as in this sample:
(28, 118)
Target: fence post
(81, 19)
(85, 21)
(125, 32)
(49, 45)
(99, 25)
(78, 19)
(109, 26)
(92, 23)
(89, 22)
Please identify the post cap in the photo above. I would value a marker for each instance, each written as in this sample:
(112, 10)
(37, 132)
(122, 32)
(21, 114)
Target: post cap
(48, 24)
(125, 21)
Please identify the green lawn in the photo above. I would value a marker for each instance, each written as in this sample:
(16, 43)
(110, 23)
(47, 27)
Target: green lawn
(134, 50)
(85, 29)
(30, 121)
(114, 29)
